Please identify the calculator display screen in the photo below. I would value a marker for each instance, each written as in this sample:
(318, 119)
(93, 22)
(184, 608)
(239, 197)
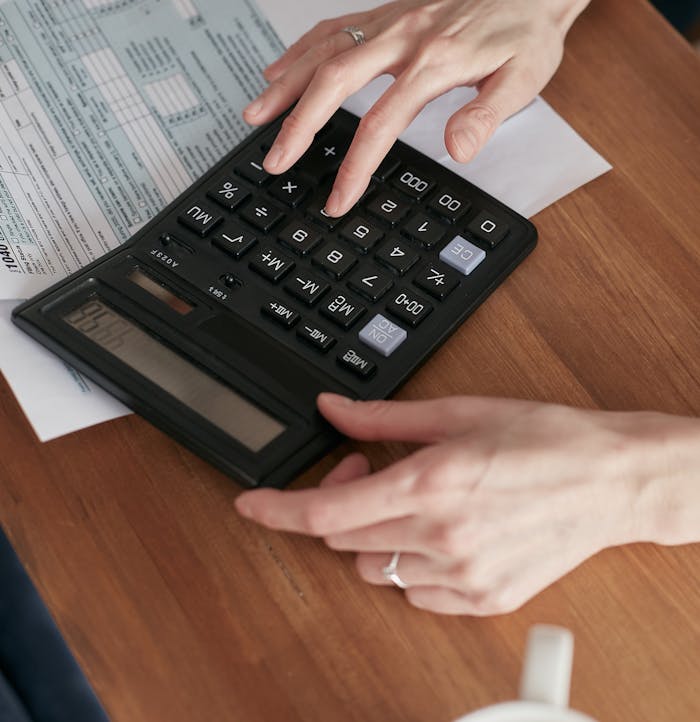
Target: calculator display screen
(206, 396)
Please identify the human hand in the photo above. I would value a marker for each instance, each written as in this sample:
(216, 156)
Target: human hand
(506, 496)
(509, 51)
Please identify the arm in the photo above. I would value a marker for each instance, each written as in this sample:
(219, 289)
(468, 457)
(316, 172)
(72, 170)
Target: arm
(504, 497)
(509, 51)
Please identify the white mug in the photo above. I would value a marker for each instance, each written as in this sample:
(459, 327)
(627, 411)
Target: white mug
(544, 685)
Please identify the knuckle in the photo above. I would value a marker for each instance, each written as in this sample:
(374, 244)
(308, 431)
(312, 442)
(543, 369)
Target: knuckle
(320, 52)
(446, 539)
(414, 18)
(374, 122)
(501, 601)
(280, 86)
(435, 51)
(348, 175)
(293, 124)
(317, 518)
(333, 72)
(323, 26)
(432, 481)
(363, 568)
(463, 576)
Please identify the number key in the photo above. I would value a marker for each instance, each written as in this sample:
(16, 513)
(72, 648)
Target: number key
(389, 207)
(397, 255)
(427, 231)
(488, 227)
(412, 182)
(361, 233)
(370, 281)
(334, 260)
(449, 204)
(299, 237)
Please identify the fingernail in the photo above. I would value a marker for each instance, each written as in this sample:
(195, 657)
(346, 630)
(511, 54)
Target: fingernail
(337, 399)
(254, 108)
(465, 142)
(333, 203)
(273, 158)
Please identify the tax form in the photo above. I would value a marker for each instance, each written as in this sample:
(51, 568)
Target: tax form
(108, 110)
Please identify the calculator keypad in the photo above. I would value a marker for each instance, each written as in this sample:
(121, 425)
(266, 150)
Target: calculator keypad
(365, 285)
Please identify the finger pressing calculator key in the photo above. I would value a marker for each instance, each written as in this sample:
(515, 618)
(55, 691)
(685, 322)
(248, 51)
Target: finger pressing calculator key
(223, 318)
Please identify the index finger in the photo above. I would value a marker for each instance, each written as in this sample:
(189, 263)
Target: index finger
(377, 132)
(370, 499)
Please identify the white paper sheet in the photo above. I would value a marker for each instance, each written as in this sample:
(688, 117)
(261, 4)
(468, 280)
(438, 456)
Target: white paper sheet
(534, 159)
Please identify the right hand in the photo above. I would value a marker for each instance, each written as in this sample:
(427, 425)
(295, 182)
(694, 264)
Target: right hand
(509, 51)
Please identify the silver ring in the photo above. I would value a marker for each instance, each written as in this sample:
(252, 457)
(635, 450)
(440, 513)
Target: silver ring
(390, 574)
(355, 33)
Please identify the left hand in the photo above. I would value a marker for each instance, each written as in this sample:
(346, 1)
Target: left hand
(506, 496)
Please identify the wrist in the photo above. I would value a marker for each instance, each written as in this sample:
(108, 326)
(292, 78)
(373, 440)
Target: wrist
(664, 479)
(564, 12)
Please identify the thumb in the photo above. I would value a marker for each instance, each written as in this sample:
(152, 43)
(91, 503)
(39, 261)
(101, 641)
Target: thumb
(421, 422)
(502, 94)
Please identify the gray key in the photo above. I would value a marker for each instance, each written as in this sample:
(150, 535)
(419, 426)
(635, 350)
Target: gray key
(462, 255)
(382, 335)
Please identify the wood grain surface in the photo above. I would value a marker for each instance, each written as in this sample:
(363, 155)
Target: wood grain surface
(178, 610)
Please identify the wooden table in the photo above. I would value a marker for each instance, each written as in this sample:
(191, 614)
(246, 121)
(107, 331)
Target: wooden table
(180, 611)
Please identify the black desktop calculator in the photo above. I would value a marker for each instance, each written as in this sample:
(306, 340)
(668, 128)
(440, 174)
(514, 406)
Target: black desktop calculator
(223, 318)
